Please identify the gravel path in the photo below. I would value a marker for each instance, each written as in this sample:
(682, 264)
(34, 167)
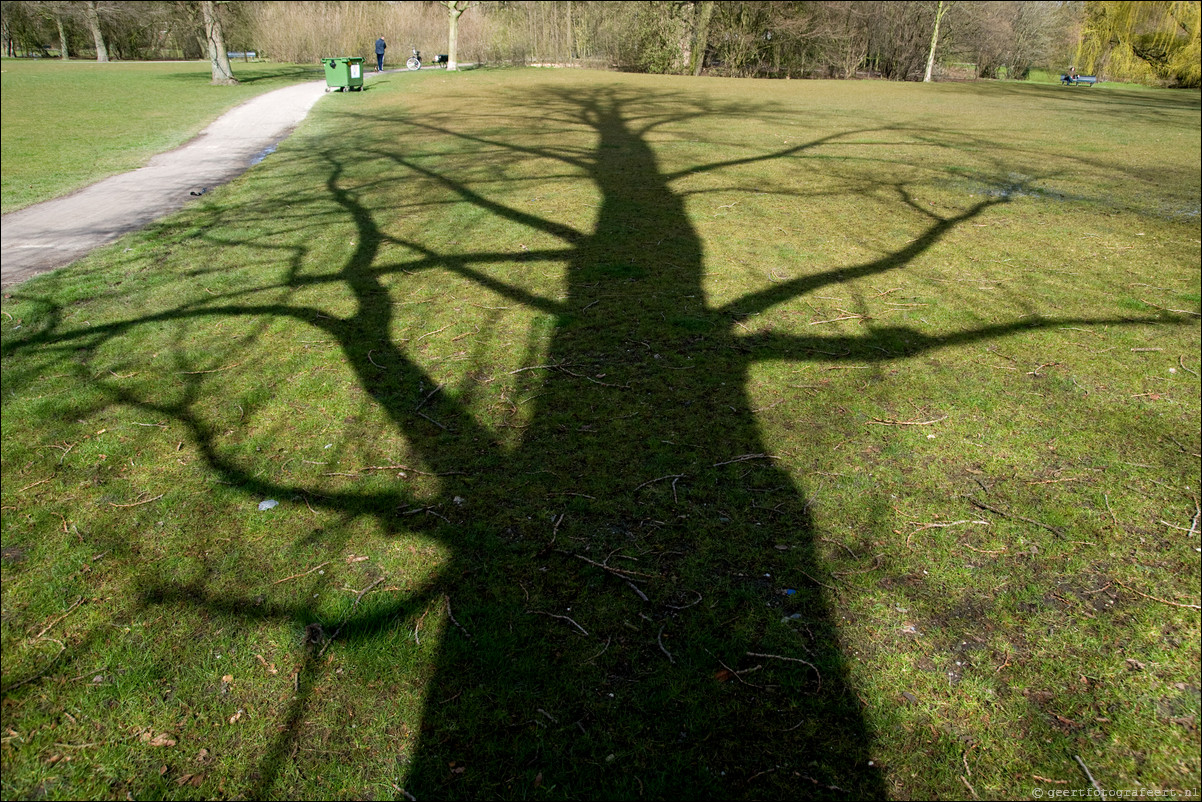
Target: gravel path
(55, 233)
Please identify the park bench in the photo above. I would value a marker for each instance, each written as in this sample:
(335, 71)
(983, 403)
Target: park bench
(1074, 80)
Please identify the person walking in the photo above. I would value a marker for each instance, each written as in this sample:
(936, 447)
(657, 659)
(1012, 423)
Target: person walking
(381, 46)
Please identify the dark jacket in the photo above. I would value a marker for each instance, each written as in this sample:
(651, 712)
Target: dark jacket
(380, 46)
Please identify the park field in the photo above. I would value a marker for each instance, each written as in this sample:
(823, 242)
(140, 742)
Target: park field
(70, 124)
(578, 435)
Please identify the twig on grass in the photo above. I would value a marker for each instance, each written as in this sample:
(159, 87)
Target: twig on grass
(591, 379)
(35, 484)
(736, 674)
(451, 616)
(660, 640)
(1181, 362)
(618, 572)
(837, 319)
(47, 628)
(436, 423)
(416, 627)
(298, 576)
(428, 333)
(214, 370)
(883, 422)
(138, 503)
(347, 615)
(687, 606)
(640, 487)
(816, 582)
(635, 588)
(1154, 598)
(560, 617)
(744, 458)
(875, 565)
(1089, 776)
(790, 660)
(1036, 372)
(426, 400)
(1166, 309)
(61, 648)
(1055, 530)
(603, 650)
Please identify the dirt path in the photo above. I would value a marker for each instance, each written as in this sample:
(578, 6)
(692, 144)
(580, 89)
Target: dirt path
(48, 235)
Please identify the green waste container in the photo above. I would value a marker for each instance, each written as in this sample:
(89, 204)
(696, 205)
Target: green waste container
(344, 73)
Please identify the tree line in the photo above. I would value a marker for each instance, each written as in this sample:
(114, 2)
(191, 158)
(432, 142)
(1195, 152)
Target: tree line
(1146, 42)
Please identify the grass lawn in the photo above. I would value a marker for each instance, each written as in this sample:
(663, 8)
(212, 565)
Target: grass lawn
(70, 124)
(556, 434)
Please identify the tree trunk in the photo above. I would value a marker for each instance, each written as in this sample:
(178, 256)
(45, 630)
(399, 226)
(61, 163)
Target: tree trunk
(939, 12)
(215, 41)
(571, 35)
(455, 9)
(62, 37)
(701, 33)
(93, 19)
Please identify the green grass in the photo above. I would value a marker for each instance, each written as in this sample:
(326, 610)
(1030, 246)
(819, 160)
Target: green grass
(67, 125)
(580, 393)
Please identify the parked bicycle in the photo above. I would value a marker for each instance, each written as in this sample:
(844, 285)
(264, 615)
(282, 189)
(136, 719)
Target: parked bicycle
(415, 61)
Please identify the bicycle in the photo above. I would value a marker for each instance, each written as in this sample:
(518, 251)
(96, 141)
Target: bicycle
(415, 61)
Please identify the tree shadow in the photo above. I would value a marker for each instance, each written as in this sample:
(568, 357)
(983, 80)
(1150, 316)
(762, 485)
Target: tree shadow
(638, 605)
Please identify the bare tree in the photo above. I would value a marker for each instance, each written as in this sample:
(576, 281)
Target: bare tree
(455, 9)
(92, 18)
(939, 12)
(215, 40)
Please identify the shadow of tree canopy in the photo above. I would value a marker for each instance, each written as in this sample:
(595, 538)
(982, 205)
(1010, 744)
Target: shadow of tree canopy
(583, 653)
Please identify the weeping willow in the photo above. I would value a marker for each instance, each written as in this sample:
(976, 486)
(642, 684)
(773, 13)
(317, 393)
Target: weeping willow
(1142, 42)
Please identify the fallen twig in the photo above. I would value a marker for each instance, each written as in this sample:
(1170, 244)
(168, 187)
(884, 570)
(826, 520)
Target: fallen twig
(35, 484)
(837, 319)
(620, 572)
(1055, 530)
(1154, 598)
(744, 458)
(906, 422)
(816, 582)
(591, 379)
(660, 640)
(1092, 781)
(687, 606)
(640, 487)
(61, 648)
(790, 660)
(1166, 309)
(561, 618)
(214, 370)
(875, 565)
(1181, 362)
(451, 616)
(138, 503)
(47, 628)
(298, 576)
(939, 525)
